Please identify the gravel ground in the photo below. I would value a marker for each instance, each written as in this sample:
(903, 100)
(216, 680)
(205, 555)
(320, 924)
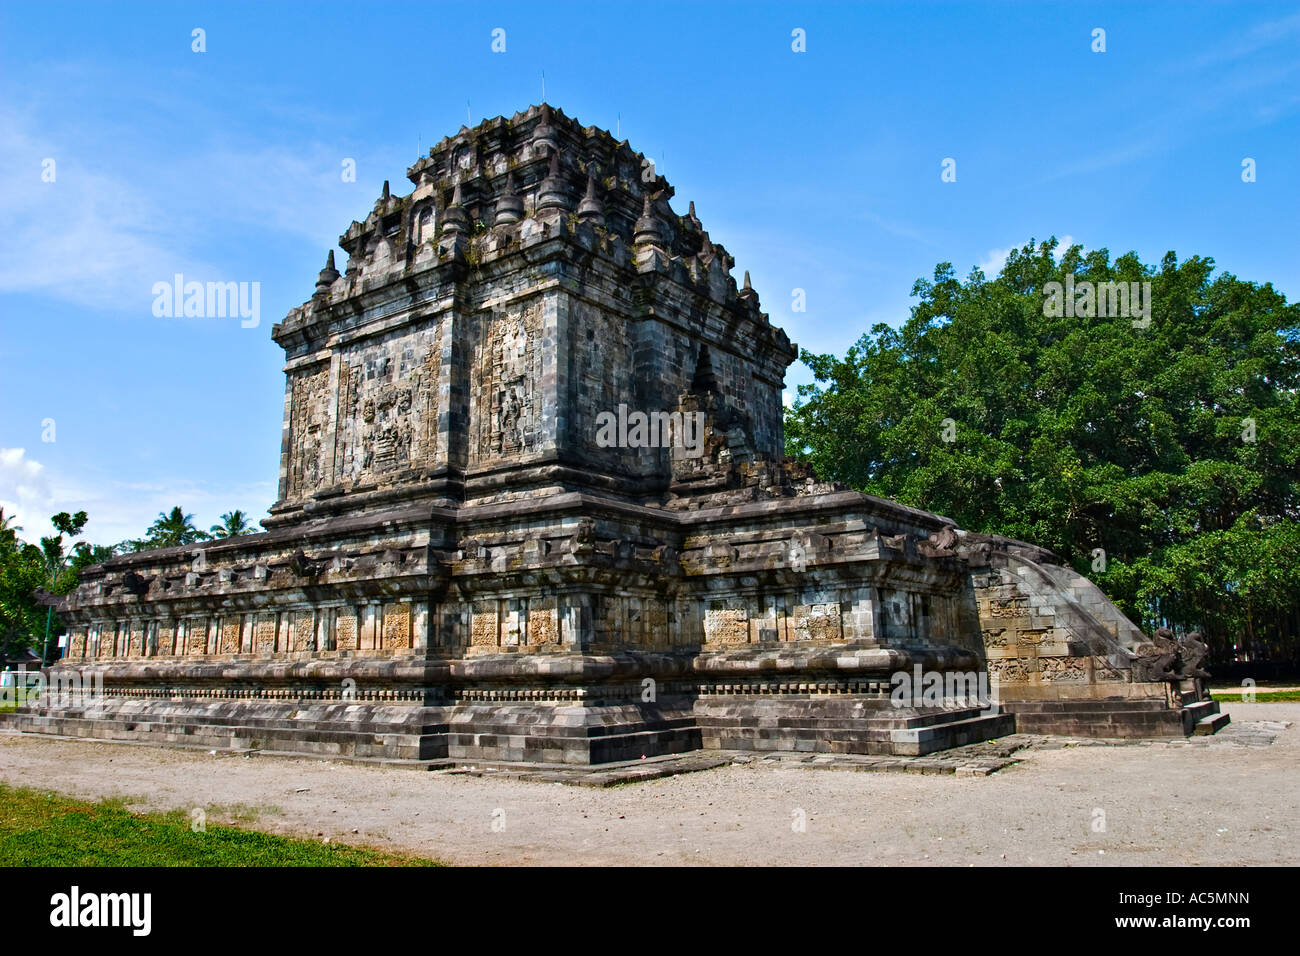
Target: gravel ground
(1229, 799)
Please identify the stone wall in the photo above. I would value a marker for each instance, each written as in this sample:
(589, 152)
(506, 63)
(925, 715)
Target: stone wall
(1049, 633)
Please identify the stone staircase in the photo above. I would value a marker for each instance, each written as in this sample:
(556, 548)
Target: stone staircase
(841, 726)
(1116, 718)
(1204, 718)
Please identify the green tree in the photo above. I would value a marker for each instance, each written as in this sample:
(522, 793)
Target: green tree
(85, 554)
(26, 568)
(170, 530)
(233, 524)
(59, 578)
(1163, 461)
(8, 530)
(21, 568)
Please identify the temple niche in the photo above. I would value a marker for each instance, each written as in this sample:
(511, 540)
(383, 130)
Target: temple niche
(506, 405)
(457, 569)
(388, 409)
(308, 431)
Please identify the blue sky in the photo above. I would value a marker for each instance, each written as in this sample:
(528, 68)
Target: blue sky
(818, 170)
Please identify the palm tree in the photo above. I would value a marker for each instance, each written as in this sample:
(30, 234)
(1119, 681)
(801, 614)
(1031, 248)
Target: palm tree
(233, 524)
(8, 531)
(173, 529)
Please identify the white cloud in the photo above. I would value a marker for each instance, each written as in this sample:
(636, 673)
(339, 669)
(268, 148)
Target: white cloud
(997, 258)
(901, 229)
(298, 193)
(1243, 90)
(117, 510)
(115, 221)
(25, 492)
(88, 237)
(994, 261)
(1244, 45)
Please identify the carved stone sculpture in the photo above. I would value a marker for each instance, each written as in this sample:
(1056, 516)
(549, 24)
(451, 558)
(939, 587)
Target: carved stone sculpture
(1157, 660)
(942, 543)
(1191, 651)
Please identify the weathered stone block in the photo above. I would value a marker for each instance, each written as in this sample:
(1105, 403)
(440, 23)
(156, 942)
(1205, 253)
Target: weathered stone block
(725, 626)
(397, 626)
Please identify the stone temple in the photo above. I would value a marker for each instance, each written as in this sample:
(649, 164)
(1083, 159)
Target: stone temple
(467, 560)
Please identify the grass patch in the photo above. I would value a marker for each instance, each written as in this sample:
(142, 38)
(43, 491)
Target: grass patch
(1261, 696)
(39, 828)
(12, 696)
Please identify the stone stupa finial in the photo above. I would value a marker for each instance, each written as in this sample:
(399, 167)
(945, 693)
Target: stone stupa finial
(327, 275)
(454, 217)
(544, 131)
(510, 207)
(591, 209)
(648, 229)
(747, 293)
(553, 193)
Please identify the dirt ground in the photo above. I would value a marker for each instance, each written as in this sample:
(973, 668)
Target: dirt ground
(1230, 799)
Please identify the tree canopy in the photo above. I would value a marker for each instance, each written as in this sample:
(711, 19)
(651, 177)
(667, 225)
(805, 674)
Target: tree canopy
(233, 524)
(54, 567)
(1157, 454)
(21, 567)
(172, 529)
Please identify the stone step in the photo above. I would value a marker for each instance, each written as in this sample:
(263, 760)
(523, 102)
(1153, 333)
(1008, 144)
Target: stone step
(1084, 705)
(1202, 708)
(1211, 724)
(1118, 721)
(957, 733)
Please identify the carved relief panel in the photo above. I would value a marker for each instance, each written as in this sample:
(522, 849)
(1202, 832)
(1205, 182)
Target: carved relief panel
(388, 407)
(308, 413)
(506, 402)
